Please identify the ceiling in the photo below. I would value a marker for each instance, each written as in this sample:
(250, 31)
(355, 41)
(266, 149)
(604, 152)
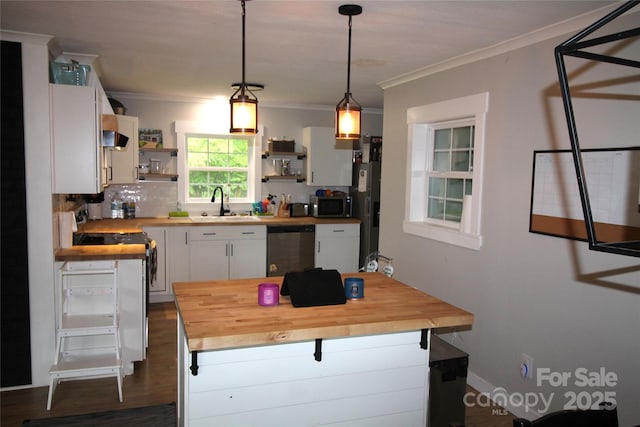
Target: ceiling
(297, 49)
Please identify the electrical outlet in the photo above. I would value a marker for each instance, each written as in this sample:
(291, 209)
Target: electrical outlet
(526, 367)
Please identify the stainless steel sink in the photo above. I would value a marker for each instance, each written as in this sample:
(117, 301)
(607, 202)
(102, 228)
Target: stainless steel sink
(230, 218)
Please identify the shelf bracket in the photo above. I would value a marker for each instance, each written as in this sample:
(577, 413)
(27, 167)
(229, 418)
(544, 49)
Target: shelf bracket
(424, 339)
(194, 363)
(318, 354)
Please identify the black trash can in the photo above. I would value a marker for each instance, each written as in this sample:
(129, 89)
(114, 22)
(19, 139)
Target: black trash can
(447, 384)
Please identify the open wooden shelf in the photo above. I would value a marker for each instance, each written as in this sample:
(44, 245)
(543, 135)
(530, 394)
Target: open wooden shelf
(157, 176)
(299, 155)
(172, 151)
(295, 178)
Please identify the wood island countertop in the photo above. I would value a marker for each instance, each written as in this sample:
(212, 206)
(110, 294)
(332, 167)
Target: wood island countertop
(225, 314)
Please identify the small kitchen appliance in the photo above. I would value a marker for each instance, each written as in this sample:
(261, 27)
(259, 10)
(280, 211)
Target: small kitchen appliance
(298, 209)
(114, 140)
(330, 206)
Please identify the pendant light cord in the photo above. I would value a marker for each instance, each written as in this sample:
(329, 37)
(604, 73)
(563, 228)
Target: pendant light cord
(349, 59)
(243, 85)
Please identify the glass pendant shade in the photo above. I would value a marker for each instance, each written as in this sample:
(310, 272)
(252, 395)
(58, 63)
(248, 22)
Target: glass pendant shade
(348, 118)
(244, 114)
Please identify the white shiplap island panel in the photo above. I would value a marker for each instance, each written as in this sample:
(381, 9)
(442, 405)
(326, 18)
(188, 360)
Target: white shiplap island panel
(359, 380)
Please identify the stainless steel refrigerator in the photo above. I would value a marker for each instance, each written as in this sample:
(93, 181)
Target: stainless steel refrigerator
(365, 194)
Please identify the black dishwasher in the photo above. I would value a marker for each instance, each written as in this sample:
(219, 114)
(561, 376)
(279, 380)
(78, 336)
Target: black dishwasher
(290, 248)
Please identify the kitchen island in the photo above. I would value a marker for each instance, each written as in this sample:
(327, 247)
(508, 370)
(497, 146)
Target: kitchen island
(364, 362)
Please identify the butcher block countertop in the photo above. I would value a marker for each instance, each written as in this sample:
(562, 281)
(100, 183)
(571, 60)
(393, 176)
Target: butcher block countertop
(80, 253)
(225, 314)
(136, 224)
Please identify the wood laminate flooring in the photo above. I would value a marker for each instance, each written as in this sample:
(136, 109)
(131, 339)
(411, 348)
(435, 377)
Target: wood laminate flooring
(154, 382)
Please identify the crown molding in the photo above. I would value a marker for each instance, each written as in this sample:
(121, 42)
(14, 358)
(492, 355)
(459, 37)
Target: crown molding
(551, 31)
(21, 37)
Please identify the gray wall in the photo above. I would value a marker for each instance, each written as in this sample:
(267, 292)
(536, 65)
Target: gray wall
(530, 293)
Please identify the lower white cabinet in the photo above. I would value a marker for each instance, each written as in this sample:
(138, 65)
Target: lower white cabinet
(193, 253)
(176, 256)
(338, 247)
(227, 252)
(206, 253)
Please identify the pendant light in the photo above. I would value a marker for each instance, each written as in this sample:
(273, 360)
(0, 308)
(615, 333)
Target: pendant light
(348, 110)
(244, 104)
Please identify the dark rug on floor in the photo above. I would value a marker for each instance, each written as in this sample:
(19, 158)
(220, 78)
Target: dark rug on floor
(147, 416)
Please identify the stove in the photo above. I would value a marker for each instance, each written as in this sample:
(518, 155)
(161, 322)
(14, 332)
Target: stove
(82, 239)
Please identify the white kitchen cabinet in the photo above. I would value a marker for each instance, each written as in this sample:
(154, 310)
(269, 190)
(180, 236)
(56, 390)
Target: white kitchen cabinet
(338, 246)
(329, 162)
(177, 256)
(158, 288)
(249, 256)
(208, 254)
(76, 129)
(227, 252)
(122, 164)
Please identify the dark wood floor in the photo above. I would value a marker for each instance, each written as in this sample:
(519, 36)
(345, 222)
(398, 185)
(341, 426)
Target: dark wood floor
(154, 382)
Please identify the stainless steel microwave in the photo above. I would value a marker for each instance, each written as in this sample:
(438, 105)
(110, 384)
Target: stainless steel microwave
(330, 206)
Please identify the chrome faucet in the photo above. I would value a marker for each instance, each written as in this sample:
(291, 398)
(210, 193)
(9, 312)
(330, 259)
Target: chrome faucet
(213, 200)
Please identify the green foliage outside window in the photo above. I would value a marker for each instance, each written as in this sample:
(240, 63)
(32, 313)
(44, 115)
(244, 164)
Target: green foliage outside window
(217, 161)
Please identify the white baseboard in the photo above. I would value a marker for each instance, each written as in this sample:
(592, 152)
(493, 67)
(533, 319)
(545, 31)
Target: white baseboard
(491, 392)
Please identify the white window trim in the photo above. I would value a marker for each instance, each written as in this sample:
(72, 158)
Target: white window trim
(419, 121)
(186, 127)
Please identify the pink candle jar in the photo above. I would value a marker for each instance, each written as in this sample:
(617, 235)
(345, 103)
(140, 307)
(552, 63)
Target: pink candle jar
(268, 294)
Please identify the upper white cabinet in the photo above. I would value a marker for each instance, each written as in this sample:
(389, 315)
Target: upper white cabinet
(328, 163)
(122, 164)
(76, 129)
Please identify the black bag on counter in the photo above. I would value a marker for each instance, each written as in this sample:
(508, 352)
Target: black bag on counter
(313, 287)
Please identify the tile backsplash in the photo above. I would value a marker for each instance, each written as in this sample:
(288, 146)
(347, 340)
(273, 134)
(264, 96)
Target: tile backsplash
(153, 198)
(158, 198)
